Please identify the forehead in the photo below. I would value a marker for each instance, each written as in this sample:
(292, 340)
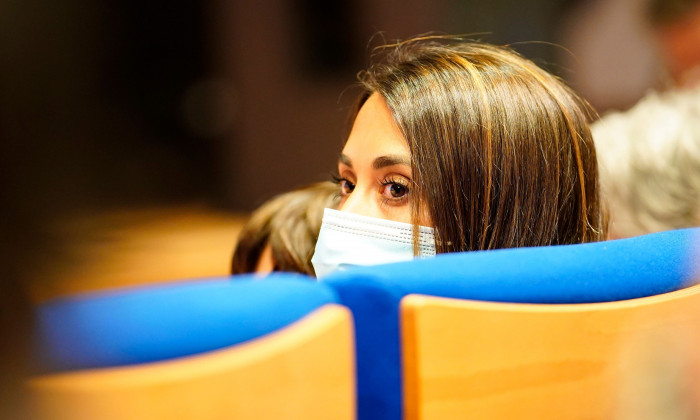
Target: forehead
(374, 132)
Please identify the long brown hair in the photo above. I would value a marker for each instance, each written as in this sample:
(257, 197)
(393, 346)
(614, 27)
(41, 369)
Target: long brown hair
(501, 152)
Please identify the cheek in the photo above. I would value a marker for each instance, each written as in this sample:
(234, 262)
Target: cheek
(341, 202)
(266, 263)
(399, 214)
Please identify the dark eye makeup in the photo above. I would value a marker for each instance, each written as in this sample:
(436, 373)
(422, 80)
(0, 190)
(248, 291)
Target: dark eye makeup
(395, 190)
(345, 185)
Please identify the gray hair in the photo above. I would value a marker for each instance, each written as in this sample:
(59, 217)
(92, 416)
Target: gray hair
(649, 162)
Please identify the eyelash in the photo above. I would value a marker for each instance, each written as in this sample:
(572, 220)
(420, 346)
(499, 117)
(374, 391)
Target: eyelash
(338, 180)
(390, 180)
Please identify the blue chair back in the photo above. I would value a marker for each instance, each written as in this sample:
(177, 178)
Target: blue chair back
(166, 321)
(596, 272)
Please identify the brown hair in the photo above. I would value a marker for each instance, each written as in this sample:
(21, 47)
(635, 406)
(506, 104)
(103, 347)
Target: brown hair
(501, 152)
(289, 223)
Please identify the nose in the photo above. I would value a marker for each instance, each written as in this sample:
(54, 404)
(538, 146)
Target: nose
(360, 202)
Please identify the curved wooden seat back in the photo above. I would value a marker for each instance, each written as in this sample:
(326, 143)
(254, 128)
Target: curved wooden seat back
(302, 371)
(479, 360)
(565, 274)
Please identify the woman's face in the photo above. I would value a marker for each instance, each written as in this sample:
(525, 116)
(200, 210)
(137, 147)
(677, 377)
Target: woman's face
(375, 166)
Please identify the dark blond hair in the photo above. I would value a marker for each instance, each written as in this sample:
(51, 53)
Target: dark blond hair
(501, 152)
(289, 223)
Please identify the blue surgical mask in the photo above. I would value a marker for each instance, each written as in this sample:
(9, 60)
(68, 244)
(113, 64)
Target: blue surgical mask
(348, 239)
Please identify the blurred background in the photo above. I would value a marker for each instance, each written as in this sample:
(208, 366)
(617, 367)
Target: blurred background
(136, 136)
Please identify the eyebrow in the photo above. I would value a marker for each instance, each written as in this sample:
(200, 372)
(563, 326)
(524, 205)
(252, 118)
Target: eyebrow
(390, 160)
(380, 162)
(344, 160)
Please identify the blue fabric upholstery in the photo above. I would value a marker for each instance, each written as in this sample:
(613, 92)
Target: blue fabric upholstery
(145, 324)
(596, 272)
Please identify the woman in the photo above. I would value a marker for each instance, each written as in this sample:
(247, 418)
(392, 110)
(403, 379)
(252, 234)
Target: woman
(472, 143)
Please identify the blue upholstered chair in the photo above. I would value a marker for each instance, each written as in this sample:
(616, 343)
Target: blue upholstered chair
(165, 321)
(586, 273)
(157, 323)
(204, 349)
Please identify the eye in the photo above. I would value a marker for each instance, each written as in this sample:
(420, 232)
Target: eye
(394, 189)
(397, 190)
(346, 187)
